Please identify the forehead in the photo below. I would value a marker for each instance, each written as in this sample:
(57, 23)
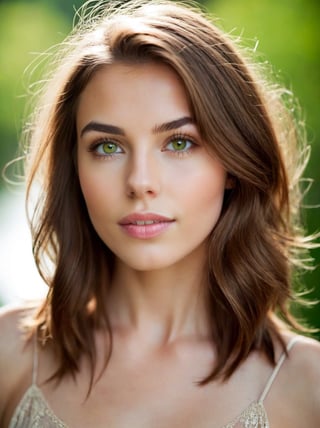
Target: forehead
(120, 90)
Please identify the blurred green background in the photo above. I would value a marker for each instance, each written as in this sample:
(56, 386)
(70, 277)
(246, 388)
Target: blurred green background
(289, 39)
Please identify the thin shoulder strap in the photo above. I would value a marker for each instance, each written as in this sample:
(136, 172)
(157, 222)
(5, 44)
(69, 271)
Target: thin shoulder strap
(277, 368)
(35, 359)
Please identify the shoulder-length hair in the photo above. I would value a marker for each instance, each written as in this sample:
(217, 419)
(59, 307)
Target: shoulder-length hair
(257, 241)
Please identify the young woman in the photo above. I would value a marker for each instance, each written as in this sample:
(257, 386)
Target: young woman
(168, 213)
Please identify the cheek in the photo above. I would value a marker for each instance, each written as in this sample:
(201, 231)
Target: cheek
(205, 200)
(97, 191)
(209, 206)
(207, 188)
(89, 188)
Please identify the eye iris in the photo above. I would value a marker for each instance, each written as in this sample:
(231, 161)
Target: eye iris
(179, 144)
(109, 148)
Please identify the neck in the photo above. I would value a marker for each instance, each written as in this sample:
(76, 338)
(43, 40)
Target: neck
(162, 305)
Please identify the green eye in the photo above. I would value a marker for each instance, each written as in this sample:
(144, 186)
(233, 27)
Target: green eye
(109, 148)
(106, 147)
(180, 144)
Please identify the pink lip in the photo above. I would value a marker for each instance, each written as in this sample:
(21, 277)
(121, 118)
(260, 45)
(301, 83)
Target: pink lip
(131, 225)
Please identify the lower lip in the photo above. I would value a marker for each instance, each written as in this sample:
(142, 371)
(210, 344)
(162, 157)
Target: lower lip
(146, 231)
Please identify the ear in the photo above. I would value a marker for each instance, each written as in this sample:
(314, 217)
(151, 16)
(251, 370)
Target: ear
(230, 182)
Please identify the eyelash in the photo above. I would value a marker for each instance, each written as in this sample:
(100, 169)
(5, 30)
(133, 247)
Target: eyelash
(183, 137)
(94, 147)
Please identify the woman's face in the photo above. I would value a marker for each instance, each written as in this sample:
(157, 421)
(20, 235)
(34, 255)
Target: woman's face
(152, 190)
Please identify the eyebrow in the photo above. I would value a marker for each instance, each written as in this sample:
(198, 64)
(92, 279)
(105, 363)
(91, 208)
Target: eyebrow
(115, 130)
(102, 127)
(174, 124)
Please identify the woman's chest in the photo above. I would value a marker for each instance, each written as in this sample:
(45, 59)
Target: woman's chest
(145, 398)
(164, 391)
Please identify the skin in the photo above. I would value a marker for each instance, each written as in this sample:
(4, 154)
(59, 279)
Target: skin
(156, 303)
(148, 174)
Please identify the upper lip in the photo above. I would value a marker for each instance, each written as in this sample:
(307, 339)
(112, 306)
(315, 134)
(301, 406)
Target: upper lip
(136, 218)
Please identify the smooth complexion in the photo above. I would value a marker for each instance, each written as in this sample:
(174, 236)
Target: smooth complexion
(152, 190)
(153, 193)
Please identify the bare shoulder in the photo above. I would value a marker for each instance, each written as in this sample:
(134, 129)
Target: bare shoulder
(293, 400)
(15, 351)
(11, 322)
(304, 372)
(13, 343)
(305, 357)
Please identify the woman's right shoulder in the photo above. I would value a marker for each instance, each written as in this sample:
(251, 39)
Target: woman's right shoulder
(16, 352)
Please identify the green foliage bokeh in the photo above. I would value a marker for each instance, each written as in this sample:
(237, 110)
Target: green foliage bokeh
(26, 30)
(288, 35)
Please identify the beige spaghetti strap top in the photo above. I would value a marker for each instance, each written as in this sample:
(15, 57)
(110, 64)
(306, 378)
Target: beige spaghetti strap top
(34, 412)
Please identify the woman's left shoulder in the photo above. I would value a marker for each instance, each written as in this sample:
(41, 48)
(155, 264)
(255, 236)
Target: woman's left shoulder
(305, 354)
(304, 373)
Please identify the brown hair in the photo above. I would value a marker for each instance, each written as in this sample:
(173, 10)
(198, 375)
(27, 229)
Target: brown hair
(257, 241)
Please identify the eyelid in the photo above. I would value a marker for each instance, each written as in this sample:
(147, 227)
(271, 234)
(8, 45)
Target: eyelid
(182, 136)
(104, 140)
(178, 135)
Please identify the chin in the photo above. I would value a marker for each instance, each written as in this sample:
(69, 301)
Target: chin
(146, 265)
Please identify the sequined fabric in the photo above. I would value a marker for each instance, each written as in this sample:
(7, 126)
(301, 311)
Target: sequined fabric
(34, 412)
(253, 416)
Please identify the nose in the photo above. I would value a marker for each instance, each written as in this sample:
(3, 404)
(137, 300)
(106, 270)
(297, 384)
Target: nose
(143, 179)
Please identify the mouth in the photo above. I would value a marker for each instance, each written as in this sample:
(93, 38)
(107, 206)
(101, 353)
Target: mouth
(145, 226)
(147, 219)
(145, 222)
